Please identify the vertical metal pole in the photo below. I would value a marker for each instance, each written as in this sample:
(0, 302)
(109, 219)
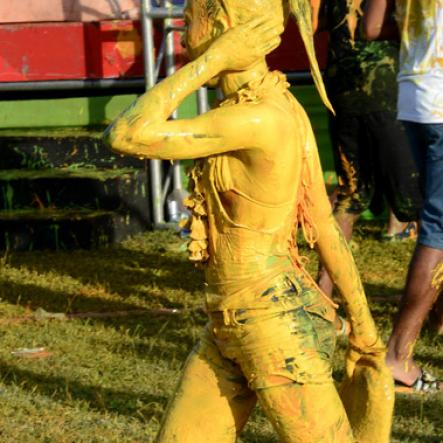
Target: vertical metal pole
(202, 100)
(170, 69)
(149, 62)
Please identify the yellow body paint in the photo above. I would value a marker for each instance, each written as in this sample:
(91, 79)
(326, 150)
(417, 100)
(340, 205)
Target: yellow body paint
(270, 335)
(437, 278)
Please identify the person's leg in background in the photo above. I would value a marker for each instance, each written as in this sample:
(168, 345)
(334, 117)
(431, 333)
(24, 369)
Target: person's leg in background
(353, 166)
(425, 277)
(396, 175)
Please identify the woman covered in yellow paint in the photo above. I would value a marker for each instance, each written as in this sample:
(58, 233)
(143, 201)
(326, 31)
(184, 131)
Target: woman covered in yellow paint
(257, 177)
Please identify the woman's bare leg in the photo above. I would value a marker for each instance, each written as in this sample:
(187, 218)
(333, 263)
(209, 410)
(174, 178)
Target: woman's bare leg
(306, 413)
(210, 404)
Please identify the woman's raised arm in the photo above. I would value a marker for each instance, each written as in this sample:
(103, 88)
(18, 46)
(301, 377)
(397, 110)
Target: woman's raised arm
(143, 129)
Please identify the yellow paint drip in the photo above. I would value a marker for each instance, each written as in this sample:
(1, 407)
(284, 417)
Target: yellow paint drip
(352, 17)
(437, 277)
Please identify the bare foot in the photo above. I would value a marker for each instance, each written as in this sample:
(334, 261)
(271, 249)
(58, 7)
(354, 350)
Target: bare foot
(406, 372)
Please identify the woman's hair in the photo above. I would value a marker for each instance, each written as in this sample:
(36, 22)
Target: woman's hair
(241, 11)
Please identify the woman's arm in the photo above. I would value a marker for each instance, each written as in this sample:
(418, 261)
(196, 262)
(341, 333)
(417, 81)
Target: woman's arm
(378, 20)
(229, 128)
(336, 256)
(143, 129)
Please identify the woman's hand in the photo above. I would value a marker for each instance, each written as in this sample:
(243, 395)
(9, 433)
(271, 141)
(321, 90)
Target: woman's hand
(243, 45)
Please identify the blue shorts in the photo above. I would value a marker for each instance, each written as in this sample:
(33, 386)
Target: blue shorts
(426, 140)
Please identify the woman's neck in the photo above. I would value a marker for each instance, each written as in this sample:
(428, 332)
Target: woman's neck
(233, 81)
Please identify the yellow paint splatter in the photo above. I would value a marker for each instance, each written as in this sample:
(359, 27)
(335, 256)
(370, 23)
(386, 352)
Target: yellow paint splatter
(437, 277)
(352, 17)
(129, 43)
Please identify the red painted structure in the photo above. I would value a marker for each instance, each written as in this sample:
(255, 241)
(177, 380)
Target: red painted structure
(105, 49)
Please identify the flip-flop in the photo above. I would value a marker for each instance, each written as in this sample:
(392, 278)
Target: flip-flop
(425, 383)
(408, 233)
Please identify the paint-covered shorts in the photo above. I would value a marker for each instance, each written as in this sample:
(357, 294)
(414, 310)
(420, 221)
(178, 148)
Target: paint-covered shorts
(292, 339)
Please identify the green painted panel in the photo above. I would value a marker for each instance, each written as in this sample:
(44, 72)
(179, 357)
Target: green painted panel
(98, 111)
(71, 112)
(90, 114)
(79, 111)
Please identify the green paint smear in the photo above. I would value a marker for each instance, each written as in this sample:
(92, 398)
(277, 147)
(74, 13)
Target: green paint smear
(54, 214)
(56, 132)
(8, 196)
(68, 173)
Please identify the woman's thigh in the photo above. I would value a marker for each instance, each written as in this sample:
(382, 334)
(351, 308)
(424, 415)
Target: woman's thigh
(306, 413)
(211, 403)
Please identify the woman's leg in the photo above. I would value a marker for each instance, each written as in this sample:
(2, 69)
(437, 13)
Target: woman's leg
(306, 413)
(287, 359)
(211, 403)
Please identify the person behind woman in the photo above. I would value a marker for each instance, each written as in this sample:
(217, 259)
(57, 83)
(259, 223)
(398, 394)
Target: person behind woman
(420, 107)
(367, 139)
(270, 334)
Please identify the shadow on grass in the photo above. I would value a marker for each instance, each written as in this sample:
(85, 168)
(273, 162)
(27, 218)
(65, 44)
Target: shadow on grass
(171, 338)
(117, 268)
(434, 360)
(408, 437)
(416, 407)
(33, 296)
(174, 329)
(66, 391)
(382, 293)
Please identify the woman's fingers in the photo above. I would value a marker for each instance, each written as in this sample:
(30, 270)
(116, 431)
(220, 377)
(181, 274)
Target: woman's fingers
(272, 44)
(266, 34)
(242, 45)
(263, 25)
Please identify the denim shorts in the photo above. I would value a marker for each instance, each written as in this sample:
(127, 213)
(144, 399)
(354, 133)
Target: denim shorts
(426, 140)
(292, 340)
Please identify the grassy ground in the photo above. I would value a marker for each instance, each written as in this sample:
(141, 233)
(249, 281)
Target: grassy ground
(108, 378)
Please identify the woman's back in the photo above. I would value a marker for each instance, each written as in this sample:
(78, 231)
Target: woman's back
(253, 199)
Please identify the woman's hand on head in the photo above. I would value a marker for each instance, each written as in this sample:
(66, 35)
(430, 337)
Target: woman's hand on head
(241, 46)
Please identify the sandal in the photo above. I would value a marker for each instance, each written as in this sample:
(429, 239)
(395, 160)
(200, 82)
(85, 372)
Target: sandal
(408, 233)
(426, 383)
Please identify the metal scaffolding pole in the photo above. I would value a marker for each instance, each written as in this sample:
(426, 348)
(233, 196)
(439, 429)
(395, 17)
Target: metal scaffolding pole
(149, 69)
(168, 37)
(166, 12)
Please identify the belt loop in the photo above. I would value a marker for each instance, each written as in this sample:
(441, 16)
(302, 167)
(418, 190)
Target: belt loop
(226, 319)
(234, 318)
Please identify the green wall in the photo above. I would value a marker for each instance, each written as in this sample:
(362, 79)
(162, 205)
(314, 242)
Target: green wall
(69, 112)
(90, 114)
(82, 112)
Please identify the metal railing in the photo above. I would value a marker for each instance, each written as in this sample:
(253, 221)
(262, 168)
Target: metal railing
(162, 182)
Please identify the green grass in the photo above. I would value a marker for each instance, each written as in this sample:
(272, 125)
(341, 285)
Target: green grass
(109, 378)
